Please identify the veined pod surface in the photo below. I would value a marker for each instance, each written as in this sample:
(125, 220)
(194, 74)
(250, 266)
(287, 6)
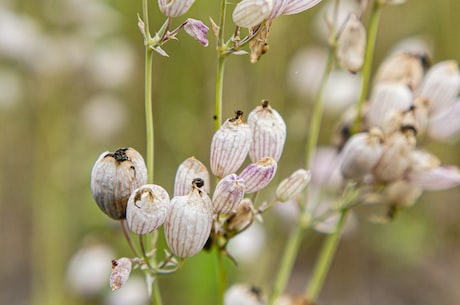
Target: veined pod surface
(230, 146)
(268, 133)
(188, 170)
(113, 178)
(241, 219)
(249, 13)
(121, 269)
(351, 44)
(188, 224)
(257, 175)
(174, 8)
(293, 185)
(228, 193)
(147, 208)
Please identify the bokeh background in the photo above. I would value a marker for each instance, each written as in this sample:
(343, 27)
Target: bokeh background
(71, 87)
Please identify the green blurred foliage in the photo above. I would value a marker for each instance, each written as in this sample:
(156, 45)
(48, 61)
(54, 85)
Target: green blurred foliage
(48, 144)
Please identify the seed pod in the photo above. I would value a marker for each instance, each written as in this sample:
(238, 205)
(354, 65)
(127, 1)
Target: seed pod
(249, 13)
(441, 86)
(268, 133)
(257, 175)
(188, 224)
(228, 193)
(147, 208)
(187, 171)
(445, 125)
(241, 219)
(121, 269)
(230, 146)
(351, 44)
(436, 178)
(293, 185)
(175, 8)
(240, 294)
(114, 177)
(361, 153)
(401, 193)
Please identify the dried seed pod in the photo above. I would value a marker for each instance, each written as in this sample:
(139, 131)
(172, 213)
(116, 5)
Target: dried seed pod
(401, 193)
(228, 193)
(257, 175)
(188, 170)
(114, 177)
(230, 146)
(147, 208)
(441, 86)
(188, 224)
(293, 185)
(121, 269)
(175, 8)
(361, 153)
(351, 44)
(249, 13)
(268, 133)
(241, 219)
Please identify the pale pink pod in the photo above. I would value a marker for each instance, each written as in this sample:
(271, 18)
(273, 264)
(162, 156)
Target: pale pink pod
(228, 193)
(446, 124)
(351, 44)
(293, 185)
(298, 6)
(277, 9)
(113, 178)
(230, 146)
(147, 208)
(249, 13)
(174, 8)
(188, 224)
(187, 171)
(257, 175)
(436, 178)
(121, 269)
(268, 133)
(198, 30)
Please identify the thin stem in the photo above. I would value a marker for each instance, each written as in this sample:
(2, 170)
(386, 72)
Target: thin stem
(156, 299)
(367, 66)
(222, 276)
(128, 237)
(325, 260)
(149, 114)
(219, 91)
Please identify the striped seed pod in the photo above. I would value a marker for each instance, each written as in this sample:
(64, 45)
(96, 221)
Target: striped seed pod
(228, 193)
(241, 219)
(147, 208)
(230, 146)
(351, 44)
(113, 178)
(249, 13)
(188, 224)
(175, 8)
(293, 185)
(257, 175)
(188, 170)
(268, 133)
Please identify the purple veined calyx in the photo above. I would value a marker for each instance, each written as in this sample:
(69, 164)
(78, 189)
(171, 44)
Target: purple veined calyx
(258, 175)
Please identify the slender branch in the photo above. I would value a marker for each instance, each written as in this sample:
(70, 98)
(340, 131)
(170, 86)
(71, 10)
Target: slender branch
(128, 237)
(219, 91)
(222, 276)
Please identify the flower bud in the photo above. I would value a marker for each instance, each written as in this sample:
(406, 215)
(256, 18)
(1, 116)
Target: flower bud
(268, 133)
(293, 185)
(351, 45)
(441, 86)
(228, 193)
(174, 8)
(445, 125)
(249, 13)
(197, 30)
(187, 171)
(242, 217)
(147, 208)
(230, 146)
(188, 224)
(257, 175)
(114, 177)
(121, 269)
(361, 153)
(387, 102)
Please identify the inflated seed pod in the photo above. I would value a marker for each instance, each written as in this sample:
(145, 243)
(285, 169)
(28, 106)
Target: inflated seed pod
(228, 193)
(147, 208)
(241, 219)
(114, 177)
(230, 146)
(121, 269)
(257, 175)
(188, 224)
(188, 170)
(249, 13)
(174, 8)
(268, 133)
(293, 185)
(351, 44)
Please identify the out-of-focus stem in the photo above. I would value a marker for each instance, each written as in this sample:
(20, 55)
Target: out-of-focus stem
(219, 91)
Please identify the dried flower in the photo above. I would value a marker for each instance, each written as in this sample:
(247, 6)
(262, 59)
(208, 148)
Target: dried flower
(121, 269)
(147, 208)
(230, 146)
(174, 8)
(351, 44)
(187, 171)
(268, 133)
(402, 193)
(241, 219)
(293, 185)
(258, 175)
(113, 178)
(197, 29)
(188, 224)
(228, 193)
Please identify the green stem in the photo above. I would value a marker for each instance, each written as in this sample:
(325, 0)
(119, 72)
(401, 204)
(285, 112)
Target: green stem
(156, 292)
(325, 260)
(367, 66)
(222, 276)
(149, 113)
(219, 91)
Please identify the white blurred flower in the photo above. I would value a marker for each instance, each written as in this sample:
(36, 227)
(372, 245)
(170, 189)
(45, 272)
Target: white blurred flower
(248, 245)
(89, 269)
(240, 294)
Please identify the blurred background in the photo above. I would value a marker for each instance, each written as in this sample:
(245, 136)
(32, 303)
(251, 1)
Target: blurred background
(71, 87)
